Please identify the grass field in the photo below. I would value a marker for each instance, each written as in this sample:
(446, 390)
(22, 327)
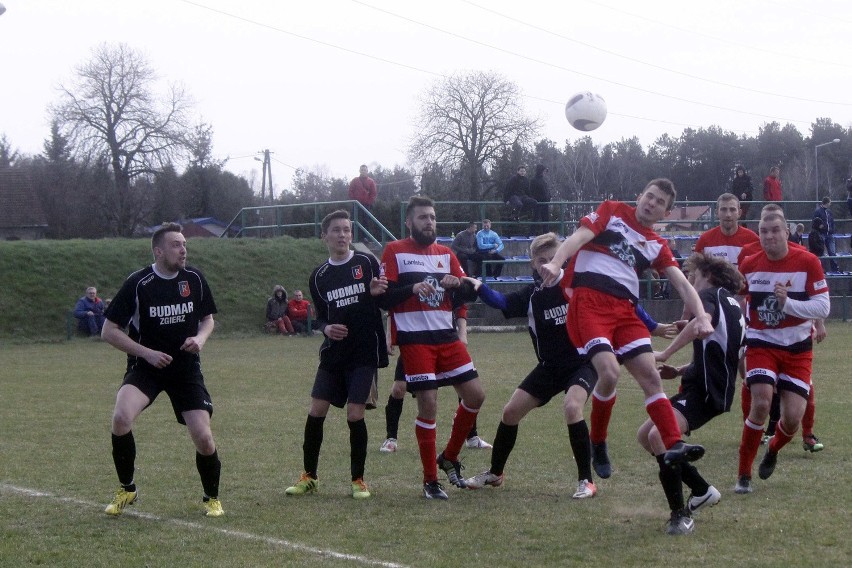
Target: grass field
(56, 475)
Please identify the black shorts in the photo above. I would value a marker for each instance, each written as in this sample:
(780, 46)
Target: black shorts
(543, 383)
(340, 387)
(185, 393)
(696, 407)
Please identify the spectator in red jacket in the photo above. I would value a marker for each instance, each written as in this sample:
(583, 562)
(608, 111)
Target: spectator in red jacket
(772, 185)
(298, 309)
(363, 189)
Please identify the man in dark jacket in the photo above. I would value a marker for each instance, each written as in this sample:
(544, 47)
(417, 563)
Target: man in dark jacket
(742, 187)
(541, 193)
(517, 193)
(89, 312)
(823, 223)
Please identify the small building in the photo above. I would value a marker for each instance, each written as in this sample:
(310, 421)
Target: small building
(21, 216)
(686, 218)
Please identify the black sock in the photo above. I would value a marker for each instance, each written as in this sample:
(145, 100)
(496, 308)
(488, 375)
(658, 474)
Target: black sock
(774, 414)
(357, 448)
(124, 457)
(692, 479)
(393, 410)
(504, 442)
(209, 468)
(312, 444)
(578, 435)
(671, 482)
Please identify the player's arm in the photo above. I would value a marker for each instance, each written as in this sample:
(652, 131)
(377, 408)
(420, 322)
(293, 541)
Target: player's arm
(569, 247)
(691, 301)
(819, 332)
(667, 330)
(684, 338)
(195, 343)
(115, 336)
(815, 307)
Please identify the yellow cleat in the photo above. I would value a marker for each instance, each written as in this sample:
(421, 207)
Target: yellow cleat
(305, 485)
(122, 499)
(213, 508)
(360, 489)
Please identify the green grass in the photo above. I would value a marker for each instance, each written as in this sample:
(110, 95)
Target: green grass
(55, 405)
(42, 280)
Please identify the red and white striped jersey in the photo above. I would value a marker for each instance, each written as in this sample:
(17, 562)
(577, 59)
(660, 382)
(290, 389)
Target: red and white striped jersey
(715, 243)
(421, 319)
(621, 251)
(801, 272)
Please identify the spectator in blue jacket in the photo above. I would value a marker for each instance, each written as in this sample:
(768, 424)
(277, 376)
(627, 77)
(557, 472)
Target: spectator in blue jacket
(489, 245)
(90, 313)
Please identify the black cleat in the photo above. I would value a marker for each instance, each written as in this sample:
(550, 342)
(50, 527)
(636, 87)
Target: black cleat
(683, 452)
(434, 490)
(767, 466)
(600, 460)
(680, 523)
(743, 485)
(452, 469)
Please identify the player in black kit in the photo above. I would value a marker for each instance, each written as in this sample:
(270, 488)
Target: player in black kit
(707, 384)
(343, 288)
(169, 309)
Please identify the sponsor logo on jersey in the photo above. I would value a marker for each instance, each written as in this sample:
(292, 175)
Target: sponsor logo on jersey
(760, 282)
(623, 252)
(820, 285)
(417, 378)
(357, 272)
(174, 313)
(433, 300)
(345, 291)
(183, 287)
(410, 261)
(769, 313)
(556, 314)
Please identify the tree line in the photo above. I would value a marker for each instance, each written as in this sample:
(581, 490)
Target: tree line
(120, 157)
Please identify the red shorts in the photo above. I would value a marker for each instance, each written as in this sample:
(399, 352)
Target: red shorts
(428, 367)
(785, 370)
(601, 322)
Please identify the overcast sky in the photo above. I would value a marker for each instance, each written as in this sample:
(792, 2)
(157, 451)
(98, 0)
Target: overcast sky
(331, 84)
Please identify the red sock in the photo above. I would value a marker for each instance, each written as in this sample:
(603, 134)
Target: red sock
(662, 415)
(425, 431)
(809, 415)
(780, 439)
(601, 413)
(462, 423)
(750, 442)
(745, 401)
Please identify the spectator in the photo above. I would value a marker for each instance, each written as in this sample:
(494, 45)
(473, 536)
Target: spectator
(464, 245)
(363, 188)
(742, 187)
(90, 313)
(517, 193)
(823, 224)
(849, 195)
(299, 309)
(772, 185)
(276, 312)
(796, 235)
(488, 245)
(541, 193)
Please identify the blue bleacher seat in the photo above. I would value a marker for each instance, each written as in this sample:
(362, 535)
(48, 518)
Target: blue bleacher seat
(524, 278)
(505, 279)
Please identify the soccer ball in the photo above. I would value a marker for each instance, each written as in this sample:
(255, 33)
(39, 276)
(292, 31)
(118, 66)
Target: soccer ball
(585, 111)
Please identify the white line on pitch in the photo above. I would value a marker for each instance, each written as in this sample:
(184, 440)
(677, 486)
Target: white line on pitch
(227, 532)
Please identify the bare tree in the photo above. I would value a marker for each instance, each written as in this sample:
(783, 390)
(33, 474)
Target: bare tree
(467, 121)
(111, 114)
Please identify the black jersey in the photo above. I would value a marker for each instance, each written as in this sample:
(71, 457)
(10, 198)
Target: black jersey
(715, 359)
(545, 309)
(341, 294)
(162, 313)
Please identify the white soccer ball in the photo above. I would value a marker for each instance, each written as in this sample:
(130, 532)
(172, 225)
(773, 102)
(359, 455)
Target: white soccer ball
(585, 111)
(2, 9)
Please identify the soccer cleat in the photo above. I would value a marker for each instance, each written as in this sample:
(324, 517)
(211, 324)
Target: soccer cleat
(812, 444)
(682, 452)
(767, 465)
(743, 485)
(698, 502)
(360, 489)
(305, 485)
(766, 438)
(477, 443)
(680, 523)
(389, 446)
(213, 507)
(452, 469)
(434, 490)
(122, 499)
(600, 460)
(585, 489)
(482, 479)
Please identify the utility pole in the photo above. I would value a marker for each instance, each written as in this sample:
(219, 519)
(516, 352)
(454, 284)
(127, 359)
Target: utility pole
(267, 174)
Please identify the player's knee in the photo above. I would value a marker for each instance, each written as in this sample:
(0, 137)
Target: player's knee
(573, 410)
(398, 389)
(122, 422)
(204, 443)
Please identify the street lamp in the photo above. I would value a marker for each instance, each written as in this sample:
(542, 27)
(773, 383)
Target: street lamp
(816, 163)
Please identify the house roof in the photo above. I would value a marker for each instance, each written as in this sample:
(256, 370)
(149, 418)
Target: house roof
(19, 205)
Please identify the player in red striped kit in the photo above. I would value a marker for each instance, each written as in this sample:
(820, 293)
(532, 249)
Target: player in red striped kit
(786, 291)
(422, 278)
